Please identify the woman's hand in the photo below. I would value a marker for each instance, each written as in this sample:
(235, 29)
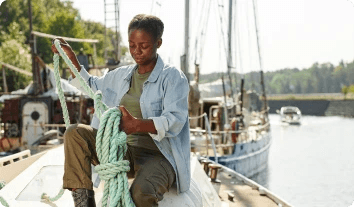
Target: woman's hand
(128, 123)
(69, 52)
(66, 47)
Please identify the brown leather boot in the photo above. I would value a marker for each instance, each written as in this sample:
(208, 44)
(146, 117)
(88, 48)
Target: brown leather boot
(83, 197)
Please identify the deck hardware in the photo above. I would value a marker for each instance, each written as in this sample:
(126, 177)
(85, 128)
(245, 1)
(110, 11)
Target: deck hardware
(214, 172)
(206, 164)
(230, 196)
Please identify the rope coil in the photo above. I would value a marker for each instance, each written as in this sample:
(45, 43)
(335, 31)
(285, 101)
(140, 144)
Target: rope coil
(110, 142)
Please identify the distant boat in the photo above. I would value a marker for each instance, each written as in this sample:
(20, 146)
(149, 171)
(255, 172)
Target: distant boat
(290, 115)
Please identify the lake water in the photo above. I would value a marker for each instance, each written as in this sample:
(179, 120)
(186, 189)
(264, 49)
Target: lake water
(312, 164)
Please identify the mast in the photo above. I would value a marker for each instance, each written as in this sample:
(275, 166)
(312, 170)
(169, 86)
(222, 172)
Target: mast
(35, 72)
(105, 31)
(229, 59)
(117, 46)
(186, 40)
(259, 56)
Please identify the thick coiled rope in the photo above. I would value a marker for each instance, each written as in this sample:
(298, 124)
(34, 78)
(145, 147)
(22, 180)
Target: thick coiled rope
(110, 142)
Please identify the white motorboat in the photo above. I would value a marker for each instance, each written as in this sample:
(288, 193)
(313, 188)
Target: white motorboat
(290, 114)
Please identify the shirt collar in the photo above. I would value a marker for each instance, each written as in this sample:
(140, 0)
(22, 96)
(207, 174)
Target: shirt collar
(154, 74)
(157, 70)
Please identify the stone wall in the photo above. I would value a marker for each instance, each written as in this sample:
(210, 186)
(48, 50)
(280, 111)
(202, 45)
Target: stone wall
(316, 107)
(340, 108)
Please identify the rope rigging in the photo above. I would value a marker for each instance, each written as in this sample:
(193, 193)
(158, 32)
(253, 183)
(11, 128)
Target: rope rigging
(110, 142)
(202, 26)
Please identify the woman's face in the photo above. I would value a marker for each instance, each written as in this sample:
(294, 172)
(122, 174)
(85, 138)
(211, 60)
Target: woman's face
(142, 47)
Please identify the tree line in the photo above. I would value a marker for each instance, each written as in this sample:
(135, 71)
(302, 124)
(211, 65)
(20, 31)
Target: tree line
(319, 78)
(51, 17)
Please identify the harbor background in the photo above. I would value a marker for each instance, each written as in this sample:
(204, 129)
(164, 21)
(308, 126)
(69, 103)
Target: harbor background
(311, 164)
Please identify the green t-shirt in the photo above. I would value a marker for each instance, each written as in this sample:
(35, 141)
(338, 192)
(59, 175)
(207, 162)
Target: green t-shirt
(131, 101)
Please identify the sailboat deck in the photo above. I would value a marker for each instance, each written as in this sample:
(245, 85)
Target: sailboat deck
(45, 174)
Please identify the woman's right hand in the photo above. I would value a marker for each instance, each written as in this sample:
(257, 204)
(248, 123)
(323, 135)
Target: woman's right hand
(65, 46)
(69, 52)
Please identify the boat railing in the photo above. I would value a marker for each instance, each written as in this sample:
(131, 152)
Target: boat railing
(256, 128)
(14, 158)
(49, 125)
(209, 132)
(57, 126)
(244, 135)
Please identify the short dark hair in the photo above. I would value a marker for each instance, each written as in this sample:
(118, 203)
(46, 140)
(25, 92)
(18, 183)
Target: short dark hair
(148, 23)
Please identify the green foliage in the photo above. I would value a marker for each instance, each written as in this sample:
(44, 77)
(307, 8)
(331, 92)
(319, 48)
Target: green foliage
(62, 24)
(345, 91)
(319, 78)
(351, 89)
(52, 17)
(124, 50)
(13, 51)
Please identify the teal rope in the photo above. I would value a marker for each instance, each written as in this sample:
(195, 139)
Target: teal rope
(2, 184)
(3, 202)
(110, 142)
(45, 197)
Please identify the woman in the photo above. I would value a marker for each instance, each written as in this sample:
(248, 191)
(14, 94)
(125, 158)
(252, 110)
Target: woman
(153, 99)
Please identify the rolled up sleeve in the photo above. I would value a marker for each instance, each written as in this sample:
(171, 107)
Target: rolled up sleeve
(175, 107)
(161, 126)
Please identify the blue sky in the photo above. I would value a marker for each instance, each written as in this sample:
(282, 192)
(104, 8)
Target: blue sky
(293, 33)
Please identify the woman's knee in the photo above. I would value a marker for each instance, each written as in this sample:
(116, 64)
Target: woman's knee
(144, 193)
(78, 129)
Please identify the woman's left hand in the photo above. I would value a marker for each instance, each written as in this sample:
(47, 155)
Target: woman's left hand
(128, 123)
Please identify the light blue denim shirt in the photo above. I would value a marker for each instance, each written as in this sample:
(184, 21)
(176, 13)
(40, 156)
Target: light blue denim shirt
(164, 100)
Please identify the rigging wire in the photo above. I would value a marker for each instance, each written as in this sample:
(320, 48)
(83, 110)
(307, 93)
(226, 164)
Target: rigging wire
(219, 39)
(152, 6)
(198, 22)
(155, 10)
(219, 7)
(249, 45)
(239, 51)
(200, 40)
(255, 11)
(203, 37)
(234, 19)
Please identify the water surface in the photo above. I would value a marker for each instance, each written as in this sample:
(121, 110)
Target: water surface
(312, 164)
